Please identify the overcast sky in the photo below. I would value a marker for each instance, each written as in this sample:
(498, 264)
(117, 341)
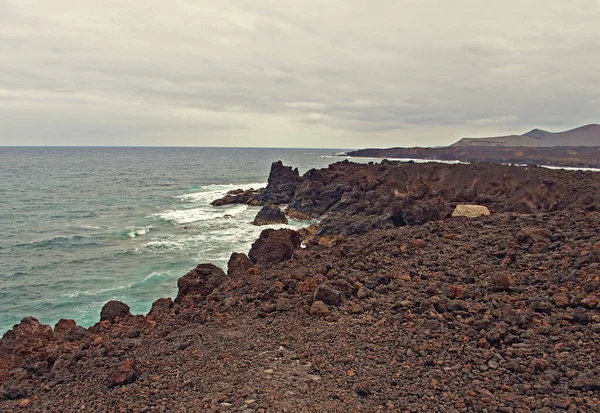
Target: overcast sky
(336, 74)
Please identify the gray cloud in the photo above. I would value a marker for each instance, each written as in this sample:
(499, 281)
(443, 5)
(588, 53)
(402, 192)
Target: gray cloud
(278, 73)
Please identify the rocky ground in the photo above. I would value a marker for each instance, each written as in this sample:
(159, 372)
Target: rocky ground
(497, 314)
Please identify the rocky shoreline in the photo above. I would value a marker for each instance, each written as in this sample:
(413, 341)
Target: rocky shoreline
(563, 156)
(394, 305)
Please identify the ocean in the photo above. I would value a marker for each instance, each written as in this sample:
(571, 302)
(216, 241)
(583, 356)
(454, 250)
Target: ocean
(82, 226)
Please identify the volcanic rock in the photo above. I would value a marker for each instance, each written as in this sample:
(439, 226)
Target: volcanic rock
(281, 187)
(470, 211)
(201, 281)
(282, 184)
(240, 196)
(319, 309)
(363, 292)
(461, 316)
(239, 264)
(68, 330)
(268, 215)
(125, 374)
(328, 295)
(161, 307)
(528, 236)
(24, 339)
(114, 309)
(274, 246)
(502, 282)
(561, 300)
(355, 199)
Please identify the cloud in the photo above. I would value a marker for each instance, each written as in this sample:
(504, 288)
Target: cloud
(333, 74)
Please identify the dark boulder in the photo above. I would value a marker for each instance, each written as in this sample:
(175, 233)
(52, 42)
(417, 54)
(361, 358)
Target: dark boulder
(239, 196)
(270, 214)
(201, 281)
(114, 309)
(274, 246)
(239, 264)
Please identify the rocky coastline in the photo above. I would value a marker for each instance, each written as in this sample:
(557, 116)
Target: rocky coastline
(562, 156)
(387, 303)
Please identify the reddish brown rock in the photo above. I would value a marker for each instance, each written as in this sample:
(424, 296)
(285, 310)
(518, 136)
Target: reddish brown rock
(502, 282)
(161, 307)
(125, 374)
(64, 325)
(529, 236)
(239, 264)
(319, 309)
(201, 281)
(274, 246)
(561, 300)
(68, 330)
(24, 339)
(114, 309)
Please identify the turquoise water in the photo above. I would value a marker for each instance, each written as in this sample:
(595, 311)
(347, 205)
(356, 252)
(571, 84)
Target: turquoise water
(81, 226)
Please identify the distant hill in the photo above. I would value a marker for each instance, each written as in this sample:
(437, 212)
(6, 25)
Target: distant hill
(584, 136)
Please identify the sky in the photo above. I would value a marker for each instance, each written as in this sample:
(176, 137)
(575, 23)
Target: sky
(301, 73)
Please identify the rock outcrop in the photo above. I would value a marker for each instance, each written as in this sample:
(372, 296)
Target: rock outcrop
(239, 265)
(25, 338)
(351, 198)
(241, 196)
(274, 246)
(199, 282)
(269, 215)
(282, 184)
(281, 187)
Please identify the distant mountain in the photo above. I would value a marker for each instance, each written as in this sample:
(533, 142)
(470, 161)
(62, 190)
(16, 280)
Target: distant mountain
(584, 136)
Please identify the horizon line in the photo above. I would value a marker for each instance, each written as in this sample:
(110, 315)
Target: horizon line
(165, 147)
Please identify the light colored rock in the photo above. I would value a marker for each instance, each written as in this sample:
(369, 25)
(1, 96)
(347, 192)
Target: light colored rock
(319, 309)
(470, 211)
